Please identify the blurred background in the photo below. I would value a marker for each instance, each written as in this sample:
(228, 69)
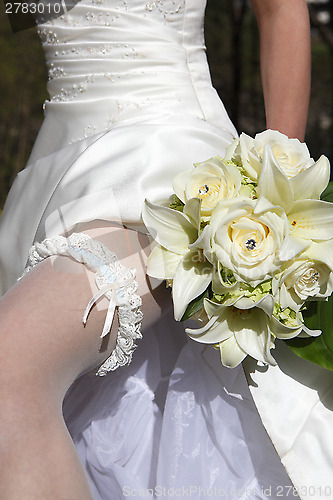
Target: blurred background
(233, 54)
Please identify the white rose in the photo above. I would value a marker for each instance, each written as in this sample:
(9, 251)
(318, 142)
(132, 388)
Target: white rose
(292, 156)
(211, 181)
(246, 236)
(302, 280)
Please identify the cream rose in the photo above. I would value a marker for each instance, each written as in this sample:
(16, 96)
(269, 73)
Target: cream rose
(246, 236)
(210, 181)
(292, 156)
(302, 280)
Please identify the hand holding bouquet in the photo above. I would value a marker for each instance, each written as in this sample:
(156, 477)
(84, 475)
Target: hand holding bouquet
(246, 244)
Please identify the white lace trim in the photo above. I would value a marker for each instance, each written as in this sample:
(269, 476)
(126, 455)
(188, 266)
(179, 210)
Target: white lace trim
(113, 280)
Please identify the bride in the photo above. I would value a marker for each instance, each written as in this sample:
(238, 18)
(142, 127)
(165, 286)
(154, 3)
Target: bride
(131, 104)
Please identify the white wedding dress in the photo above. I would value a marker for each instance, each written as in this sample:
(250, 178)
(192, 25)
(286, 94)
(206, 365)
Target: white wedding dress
(131, 104)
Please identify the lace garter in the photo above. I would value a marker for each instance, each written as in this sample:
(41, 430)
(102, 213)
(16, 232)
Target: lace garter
(113, 280)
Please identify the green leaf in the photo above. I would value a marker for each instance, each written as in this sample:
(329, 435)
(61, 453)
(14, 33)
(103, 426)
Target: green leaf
(319, 350)
(176, 203)
(196, 304)
(327, 194)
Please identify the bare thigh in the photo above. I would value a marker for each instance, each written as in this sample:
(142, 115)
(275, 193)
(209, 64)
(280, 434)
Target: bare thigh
(44, 344)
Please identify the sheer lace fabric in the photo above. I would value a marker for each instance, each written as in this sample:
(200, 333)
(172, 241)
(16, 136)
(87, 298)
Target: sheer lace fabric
(113, 280)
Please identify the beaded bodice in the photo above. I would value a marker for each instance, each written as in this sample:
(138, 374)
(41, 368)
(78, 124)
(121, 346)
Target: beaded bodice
(111, 61)
(100, 43)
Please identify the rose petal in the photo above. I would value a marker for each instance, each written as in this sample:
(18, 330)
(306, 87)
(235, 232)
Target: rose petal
(192, 210)
(179, 182)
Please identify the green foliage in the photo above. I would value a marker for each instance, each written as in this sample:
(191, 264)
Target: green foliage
(327, 195)
(22, 90)
(196, 304)
(319, 350)
(176, 203)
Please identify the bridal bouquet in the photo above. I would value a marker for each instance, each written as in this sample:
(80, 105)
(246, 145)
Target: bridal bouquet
(246, 243)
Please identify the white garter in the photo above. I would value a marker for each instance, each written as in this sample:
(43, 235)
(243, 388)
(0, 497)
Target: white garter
(114, 282)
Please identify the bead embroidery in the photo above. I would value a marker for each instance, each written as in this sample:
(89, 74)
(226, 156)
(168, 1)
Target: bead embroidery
(160, 6)
(48, 36)
(64, 46)
(56, 72)
(77, 89)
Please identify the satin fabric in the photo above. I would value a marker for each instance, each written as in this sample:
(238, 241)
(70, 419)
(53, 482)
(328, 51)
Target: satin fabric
(106, 177)
(194, 432)
(131, 104)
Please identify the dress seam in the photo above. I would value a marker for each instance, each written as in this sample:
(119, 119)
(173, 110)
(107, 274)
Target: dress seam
(189, 66)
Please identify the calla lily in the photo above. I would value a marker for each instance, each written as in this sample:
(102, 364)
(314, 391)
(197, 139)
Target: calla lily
(273, 184)
(321, 251)
(230, 152)
(231, 352)
(192, 276)
(240, 328)
(291, 247)
(162, 263)
(223, 281)
(172, 229)
(172, 258)
(310, 183)
(311, 220)
(284, 332)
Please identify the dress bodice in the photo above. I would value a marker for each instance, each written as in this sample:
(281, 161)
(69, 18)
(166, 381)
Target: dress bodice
(117, 60)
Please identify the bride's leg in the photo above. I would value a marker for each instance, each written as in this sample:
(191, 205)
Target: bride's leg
(44, 348)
